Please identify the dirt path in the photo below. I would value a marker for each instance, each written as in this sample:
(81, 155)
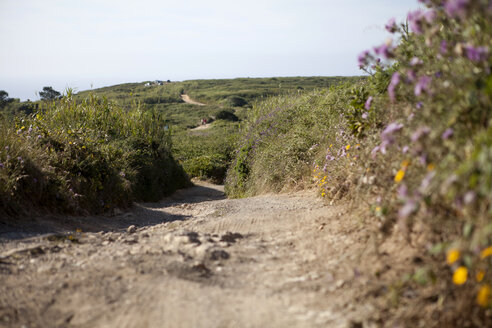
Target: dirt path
(202, 127)
(197, 260)
(188, 100)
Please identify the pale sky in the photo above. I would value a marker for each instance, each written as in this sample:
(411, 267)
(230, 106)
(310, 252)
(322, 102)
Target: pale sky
(84, 43)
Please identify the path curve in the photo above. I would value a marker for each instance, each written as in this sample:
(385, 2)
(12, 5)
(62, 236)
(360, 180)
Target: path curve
(188, 100)
(196, 259)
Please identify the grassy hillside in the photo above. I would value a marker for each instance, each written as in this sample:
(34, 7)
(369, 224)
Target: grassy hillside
(207, 154)
(411, 148)
(107, 147)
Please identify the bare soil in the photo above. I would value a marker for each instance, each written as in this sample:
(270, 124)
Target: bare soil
(188, 100)
(198, 260)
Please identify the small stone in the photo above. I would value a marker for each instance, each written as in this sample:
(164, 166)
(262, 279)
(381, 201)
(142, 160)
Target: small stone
(219, 255)
(131, 229)
(340, 283)
(231, 237)
(105, 243)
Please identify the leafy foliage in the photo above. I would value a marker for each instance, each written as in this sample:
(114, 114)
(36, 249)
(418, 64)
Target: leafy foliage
(88, 156)
(49, 93)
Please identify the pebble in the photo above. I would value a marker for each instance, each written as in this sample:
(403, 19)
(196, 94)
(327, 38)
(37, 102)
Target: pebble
(131, 229)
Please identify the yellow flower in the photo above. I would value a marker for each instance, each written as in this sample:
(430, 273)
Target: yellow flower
(323, 194)
(405, 163)
(480, 275)
(460, 275)
(331, 145)
(347, 147)
(399, 176)
(452, 256)
(483, 296)
(431, 167)
(378, 209)
(486, 252)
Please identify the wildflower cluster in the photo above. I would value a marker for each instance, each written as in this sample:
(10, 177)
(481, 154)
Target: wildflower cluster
(437, 139)
(464, 271)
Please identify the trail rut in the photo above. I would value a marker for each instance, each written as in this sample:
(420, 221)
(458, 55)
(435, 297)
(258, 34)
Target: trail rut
(195, 260)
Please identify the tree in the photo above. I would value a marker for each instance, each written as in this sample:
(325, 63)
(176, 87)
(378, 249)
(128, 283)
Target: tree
(4, 98)
(49, 93)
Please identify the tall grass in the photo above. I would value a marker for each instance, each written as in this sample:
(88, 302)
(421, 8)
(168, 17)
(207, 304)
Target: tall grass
(281, 138)
(87, 156)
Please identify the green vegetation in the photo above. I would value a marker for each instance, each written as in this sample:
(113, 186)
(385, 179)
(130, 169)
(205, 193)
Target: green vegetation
(206, 154)
(413, 142)
(84, 156)
(104, 148)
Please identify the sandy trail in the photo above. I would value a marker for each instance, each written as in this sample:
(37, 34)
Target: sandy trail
(188, 100)
(196, 260)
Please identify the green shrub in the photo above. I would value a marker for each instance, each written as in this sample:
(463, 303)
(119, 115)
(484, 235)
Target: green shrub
(88, 156)
(281, 138)
(226, 115)
(236, 101)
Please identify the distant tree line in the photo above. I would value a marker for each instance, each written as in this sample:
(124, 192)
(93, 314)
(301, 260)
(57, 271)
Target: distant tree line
(14, 106)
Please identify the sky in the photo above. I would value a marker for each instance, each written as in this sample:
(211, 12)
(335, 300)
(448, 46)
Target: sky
(84, 44)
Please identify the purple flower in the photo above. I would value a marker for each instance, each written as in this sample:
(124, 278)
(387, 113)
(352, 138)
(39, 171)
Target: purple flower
(363, 58)
(407, 209)
(411, 76)
(391, 26)
(415, 21)
(395, 80)
(2, 166)
(7, 148)
(375, 150)
(419, 105)
(391, 128)
(456, 8)
(368, 103)
(422, 85)
(387, 137)
(365, 115)
(420, 132)
(416, 61)
(427, 181)
(423, 159)
(447, 134)
(385, 50)
(477, 54)
(330, 158)
(430, 15)
(443, 48)
(405, 149)
(403, 192)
